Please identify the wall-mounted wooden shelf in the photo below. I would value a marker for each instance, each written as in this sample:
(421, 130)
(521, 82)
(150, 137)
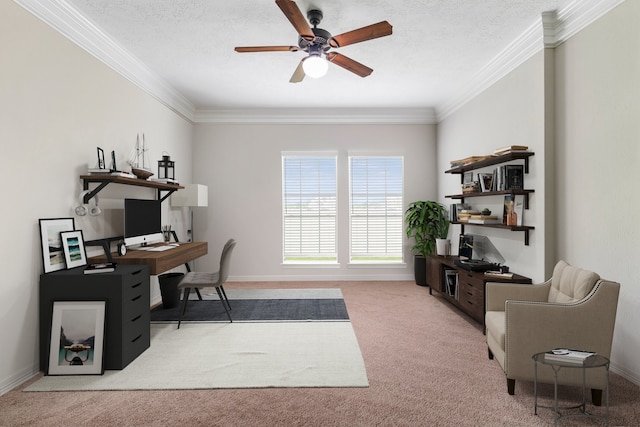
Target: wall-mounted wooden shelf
(490, 161)
(524, 228)
(495, 160)
(104, 180)
(524, 193)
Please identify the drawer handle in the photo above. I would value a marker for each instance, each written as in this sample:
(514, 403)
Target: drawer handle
(136, 272)
(136, 338)
(136, 298)
(469, 293)
(136, 285)
(136, 318)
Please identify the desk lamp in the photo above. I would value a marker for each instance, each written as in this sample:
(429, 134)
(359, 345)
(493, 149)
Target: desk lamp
(193, 195)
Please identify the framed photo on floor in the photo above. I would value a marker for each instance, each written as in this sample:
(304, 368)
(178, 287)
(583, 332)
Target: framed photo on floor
(52, 252)
(75, 254)
(77, 338)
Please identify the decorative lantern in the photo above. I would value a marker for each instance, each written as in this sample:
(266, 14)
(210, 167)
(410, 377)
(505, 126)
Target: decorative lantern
(166, 168)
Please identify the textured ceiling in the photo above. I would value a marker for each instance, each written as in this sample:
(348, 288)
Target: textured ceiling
(437, 46)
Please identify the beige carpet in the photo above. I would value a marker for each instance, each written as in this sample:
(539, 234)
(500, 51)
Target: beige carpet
(233, 355)
(426, 363)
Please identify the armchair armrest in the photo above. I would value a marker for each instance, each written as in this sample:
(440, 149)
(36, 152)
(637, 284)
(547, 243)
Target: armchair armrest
(497, 294)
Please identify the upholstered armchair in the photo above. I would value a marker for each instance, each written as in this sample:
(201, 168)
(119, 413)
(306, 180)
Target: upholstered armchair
(574, 309)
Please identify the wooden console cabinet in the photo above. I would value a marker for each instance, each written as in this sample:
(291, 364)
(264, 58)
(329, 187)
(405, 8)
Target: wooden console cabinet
(126, 290)
(468, 295)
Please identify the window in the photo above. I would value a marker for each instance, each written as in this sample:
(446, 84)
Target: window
(309, 208)
(376, 209)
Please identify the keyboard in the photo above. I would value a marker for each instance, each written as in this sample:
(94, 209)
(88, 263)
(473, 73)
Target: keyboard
(161, 248)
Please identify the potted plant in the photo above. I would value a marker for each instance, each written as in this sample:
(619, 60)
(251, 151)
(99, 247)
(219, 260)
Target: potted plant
(425, 221)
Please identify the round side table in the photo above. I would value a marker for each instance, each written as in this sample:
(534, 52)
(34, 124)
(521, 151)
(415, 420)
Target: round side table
(596, 361)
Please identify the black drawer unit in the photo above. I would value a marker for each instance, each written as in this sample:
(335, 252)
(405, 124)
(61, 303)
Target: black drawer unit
(127, 317)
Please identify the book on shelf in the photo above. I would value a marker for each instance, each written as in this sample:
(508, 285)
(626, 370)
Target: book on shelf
(508, 213)
(484, 219)
(486, 181)
(105, 267)
(518, 208)
(456, 208)
(498, 274)
(164, 180)
(99, 171)
(566, 355)
(510, 149)
(514, 177)
(467, 161)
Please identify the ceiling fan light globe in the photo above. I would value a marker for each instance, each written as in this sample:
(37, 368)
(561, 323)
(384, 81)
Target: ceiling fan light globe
(315, 66)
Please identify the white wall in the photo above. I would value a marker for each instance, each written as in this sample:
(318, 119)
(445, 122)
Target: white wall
(57, 103)
(595, 159)
(598, 157)
(241, 164)
(510, 112)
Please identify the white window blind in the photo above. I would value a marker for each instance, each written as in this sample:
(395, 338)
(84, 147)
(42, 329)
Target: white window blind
(309, 208)
(376, 215)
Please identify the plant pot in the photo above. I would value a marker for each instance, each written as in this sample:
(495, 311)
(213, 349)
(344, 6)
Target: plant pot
(443, 247)
(420, 270)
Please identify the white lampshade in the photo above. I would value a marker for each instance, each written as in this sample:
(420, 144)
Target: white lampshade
(315, 66)
(193, 195)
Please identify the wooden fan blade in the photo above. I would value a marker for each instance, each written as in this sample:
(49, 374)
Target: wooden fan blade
(297, 19)
(349, 64)
(373, 31)
(245, 49)
(298, 74)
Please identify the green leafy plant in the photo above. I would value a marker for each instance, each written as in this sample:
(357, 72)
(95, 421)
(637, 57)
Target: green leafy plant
(426, 221)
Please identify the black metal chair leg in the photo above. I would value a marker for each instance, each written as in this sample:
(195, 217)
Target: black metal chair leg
(224, 303)
(225, 296)
(183, 309)
(199, 294)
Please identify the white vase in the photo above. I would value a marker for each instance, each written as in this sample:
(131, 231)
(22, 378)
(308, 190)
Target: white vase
(443, 247)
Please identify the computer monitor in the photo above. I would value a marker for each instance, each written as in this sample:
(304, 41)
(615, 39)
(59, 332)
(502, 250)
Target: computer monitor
(142, 222)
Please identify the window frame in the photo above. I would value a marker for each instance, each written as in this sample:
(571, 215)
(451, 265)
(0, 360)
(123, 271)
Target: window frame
(399, 260)
(307, 258)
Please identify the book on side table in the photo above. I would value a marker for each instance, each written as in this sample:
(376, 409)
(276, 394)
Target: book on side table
(566, 355)
(105, 267)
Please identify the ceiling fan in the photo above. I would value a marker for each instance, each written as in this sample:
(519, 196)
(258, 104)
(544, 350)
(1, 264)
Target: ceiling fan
(318, 42)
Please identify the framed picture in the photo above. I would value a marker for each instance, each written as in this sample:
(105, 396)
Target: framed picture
(77, 338)
(52, 253)
(75, 254)
(101, 164)
(486, 181)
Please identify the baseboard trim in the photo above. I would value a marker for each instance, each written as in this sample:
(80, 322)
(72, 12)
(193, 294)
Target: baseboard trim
(16, 380)
(324, 278)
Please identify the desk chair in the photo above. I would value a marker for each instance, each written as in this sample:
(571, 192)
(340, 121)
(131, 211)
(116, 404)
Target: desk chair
(199, 280)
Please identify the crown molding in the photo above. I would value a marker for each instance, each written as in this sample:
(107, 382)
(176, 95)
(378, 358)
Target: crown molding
(550, 30)
(319, 116)
(69, 22)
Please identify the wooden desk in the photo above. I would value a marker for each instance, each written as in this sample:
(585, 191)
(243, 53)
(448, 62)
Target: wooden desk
(159, 261)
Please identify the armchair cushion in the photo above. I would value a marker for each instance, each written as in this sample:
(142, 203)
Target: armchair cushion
(570, 284)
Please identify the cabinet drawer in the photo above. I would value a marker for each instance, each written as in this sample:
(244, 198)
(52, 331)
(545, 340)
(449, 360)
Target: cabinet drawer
(134, 306)
(137, 326)
(473, 305)
(134, 288)
(471, 279)
(469, 288)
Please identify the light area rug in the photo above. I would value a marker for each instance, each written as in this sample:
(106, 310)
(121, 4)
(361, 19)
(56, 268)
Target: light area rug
(233, 355)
